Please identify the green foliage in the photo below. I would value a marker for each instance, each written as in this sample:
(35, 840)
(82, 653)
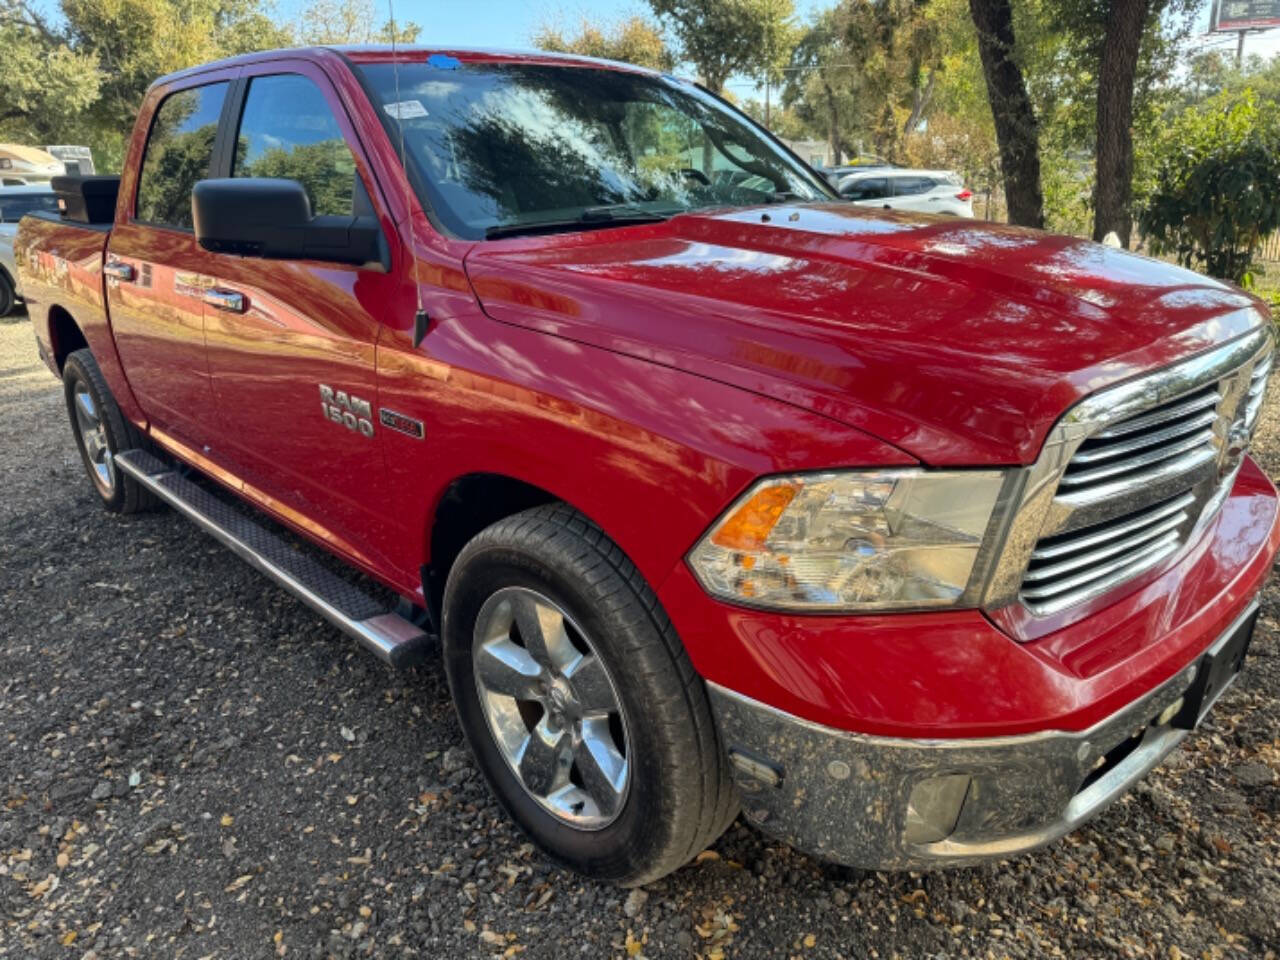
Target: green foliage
(348, 21)
(44, 85)
(80, 77)
(1215, 191)
(725, 37)
(325, 168)
(634, 40)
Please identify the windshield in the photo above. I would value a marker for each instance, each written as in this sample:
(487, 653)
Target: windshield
(496, 147)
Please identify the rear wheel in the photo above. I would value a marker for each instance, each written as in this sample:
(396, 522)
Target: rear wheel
(579, 702)
(101, 433)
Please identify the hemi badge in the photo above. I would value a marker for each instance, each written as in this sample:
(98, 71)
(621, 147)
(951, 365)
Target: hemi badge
(398, 421)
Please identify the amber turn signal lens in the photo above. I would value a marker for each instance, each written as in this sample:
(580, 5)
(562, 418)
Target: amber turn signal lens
(748, 527)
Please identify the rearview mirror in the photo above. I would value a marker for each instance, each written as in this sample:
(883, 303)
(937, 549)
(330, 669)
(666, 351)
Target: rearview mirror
(269, 217)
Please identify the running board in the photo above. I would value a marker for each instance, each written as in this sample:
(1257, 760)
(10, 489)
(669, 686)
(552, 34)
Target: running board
(392, 638)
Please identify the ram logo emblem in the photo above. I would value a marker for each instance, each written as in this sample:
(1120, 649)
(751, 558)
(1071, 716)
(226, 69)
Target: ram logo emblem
(352, 412)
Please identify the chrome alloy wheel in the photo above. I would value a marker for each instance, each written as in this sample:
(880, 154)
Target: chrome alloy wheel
(93, 439)
(552, 708)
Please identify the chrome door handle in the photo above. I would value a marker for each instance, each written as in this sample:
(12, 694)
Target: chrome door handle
(228, 300)
(118, 270)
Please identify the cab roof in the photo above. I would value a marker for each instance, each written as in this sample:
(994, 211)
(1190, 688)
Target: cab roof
(443, 57)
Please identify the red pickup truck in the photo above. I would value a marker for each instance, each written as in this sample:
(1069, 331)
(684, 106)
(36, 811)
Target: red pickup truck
(917, 539)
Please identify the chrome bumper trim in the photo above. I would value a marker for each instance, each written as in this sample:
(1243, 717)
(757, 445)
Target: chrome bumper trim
(844, 797)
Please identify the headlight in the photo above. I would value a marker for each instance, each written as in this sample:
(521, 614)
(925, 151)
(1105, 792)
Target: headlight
(854, 541)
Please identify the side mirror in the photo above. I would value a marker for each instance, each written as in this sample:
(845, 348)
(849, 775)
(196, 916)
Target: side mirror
(268, 217)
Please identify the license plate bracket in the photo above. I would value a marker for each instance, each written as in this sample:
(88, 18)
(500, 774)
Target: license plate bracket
(1218, 668)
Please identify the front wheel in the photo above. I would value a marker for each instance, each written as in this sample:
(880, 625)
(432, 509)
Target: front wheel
(578, 699)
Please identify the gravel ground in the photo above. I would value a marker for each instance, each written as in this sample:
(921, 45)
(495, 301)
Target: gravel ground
(193, 765)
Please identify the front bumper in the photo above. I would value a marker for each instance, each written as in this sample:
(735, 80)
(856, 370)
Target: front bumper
(890, 803)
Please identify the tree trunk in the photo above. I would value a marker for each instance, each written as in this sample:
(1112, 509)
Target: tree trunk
(1015, 120)
(920, 98)
(833, 121)
(1117, 67)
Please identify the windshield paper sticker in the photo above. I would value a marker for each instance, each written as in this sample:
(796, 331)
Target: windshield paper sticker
(405, 109)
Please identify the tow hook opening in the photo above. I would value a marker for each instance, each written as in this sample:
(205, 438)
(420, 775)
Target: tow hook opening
(933, 809)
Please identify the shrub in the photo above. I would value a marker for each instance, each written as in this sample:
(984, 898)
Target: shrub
(1215, 190)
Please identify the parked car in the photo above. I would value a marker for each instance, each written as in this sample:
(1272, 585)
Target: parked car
(15, 203)
(835, 174)
(22, 165)
(929, 191)
(923, 540)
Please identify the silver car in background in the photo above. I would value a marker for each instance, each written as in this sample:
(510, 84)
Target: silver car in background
(15, 203)
(928, 191)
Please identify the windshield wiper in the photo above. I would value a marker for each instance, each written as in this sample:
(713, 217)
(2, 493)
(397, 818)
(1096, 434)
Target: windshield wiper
(613, 215)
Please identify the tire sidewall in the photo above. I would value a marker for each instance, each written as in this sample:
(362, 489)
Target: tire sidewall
(8, 296)
(614, 851)
(74, 372)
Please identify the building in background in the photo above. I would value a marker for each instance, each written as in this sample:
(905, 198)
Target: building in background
(19, 165)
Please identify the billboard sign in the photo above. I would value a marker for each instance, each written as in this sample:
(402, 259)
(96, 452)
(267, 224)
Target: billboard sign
(1246, 14)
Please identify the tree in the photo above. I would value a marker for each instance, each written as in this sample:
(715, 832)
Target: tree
(1213, 197)
(1117, 69)
(327, 22)
(45, 86)
(1016, 129)
(822, 87)
(634, 40)
(724, 37)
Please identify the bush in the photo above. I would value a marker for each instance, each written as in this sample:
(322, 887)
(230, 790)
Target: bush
(1215, 190)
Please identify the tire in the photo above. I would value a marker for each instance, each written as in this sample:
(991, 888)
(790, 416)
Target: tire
(102, 432)
(8, 299)
(676, 795)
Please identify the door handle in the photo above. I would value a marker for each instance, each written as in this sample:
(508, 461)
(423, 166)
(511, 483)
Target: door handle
(229, 300)
(119, 270)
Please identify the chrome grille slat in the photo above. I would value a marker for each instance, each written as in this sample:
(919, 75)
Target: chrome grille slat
(1160, 476)
(1109, 531)
(1037, 574)
(1147, 459)
(1114, 571)
(1107, 451)
(1164, 414)
(1138, 470)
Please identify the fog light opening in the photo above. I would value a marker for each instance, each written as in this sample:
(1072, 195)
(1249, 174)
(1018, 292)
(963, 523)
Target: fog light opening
(933, 809)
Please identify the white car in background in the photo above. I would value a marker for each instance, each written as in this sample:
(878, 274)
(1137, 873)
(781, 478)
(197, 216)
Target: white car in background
(930, 191)
(15, 203)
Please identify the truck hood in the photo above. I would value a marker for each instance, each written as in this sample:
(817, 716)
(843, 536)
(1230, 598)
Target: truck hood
(958, 341)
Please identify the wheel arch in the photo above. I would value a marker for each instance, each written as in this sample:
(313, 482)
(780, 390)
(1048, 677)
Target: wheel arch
(468, 504)
(65, 335)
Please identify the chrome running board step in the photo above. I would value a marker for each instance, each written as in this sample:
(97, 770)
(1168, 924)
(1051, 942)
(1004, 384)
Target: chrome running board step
(392, 638)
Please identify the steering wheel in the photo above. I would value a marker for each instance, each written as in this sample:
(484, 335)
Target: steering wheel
(689, 173)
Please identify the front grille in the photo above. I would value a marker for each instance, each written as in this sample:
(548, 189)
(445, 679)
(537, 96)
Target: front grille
(1143, 476)
(1138, 447)
(1105, 554)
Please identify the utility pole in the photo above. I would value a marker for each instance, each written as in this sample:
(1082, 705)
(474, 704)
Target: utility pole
(1240, 48)
(766, 100)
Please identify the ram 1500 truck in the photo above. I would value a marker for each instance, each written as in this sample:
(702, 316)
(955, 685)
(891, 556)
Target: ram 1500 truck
(918, 539)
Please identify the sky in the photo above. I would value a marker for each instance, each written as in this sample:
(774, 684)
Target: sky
(511, 23)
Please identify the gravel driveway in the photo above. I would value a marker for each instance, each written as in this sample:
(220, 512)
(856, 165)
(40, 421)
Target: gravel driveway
(193, 765)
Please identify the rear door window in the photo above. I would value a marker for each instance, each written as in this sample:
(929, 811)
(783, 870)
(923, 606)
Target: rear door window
(179, 153)
(288, 130)
(871, 188)
(909, 186)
